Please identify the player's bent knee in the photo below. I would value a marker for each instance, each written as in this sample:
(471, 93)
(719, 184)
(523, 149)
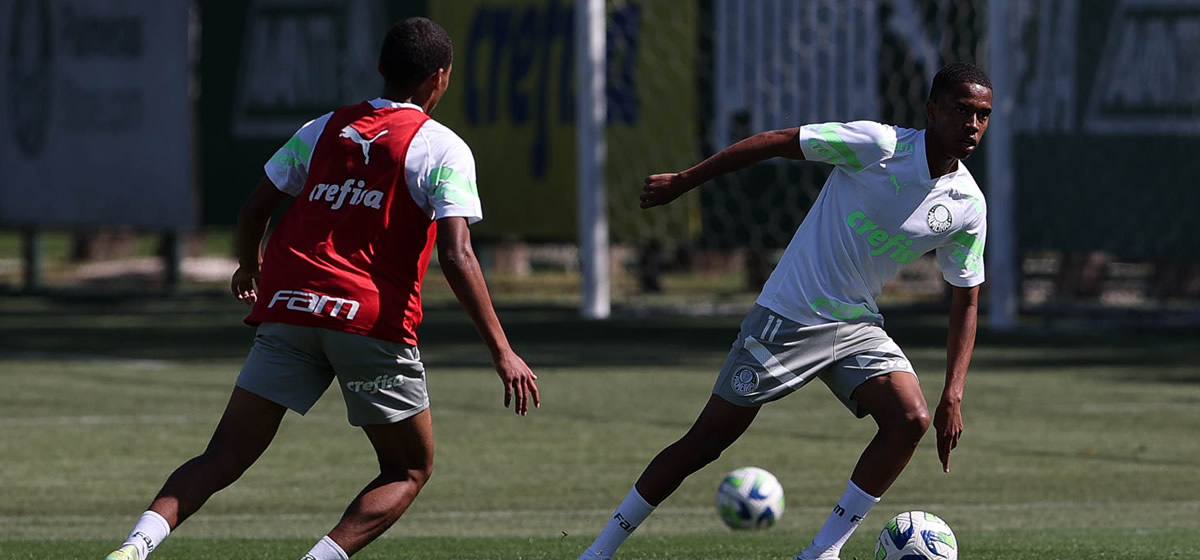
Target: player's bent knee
(920, 421)
(911, 425)
(419, 476)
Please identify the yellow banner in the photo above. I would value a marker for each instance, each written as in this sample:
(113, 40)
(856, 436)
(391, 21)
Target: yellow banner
(512, 98)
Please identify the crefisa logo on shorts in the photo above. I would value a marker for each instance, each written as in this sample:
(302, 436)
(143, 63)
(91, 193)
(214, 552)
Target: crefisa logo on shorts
(376, 385)
(744, 381)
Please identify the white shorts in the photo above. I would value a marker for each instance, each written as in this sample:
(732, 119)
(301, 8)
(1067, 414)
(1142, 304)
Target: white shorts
(774, 356)
(382, 382)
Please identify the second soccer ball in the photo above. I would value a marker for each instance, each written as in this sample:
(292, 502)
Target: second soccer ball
(916, 535)
(750, 498)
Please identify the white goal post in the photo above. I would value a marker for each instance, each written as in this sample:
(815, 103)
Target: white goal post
(592, 155)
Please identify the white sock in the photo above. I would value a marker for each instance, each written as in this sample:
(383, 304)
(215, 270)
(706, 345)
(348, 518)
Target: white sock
(845, 518)
(148, 533)
(631, 513)
(326, 549)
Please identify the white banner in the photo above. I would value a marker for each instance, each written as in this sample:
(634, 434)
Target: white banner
(302, 58)
(1147, 72)
(95, 126)
(784, 63)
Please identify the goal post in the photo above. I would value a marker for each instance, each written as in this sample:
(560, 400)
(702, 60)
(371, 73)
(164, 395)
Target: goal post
(591, 117)
(1003, 279)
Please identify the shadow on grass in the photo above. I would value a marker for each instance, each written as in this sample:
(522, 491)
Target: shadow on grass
(207, 327)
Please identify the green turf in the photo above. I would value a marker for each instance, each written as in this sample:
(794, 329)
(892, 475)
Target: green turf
(1032, 545)
(1077, 445)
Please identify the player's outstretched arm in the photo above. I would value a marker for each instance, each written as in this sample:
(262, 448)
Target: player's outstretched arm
(251, 228)
(960, 343)
(462, 271)
(665, 187)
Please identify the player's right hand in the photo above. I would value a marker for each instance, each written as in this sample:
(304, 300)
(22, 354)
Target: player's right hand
(662, 188)
(244, 285)
(948, 425)
(518, 381)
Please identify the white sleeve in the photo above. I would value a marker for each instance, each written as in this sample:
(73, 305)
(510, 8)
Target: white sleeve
(288, 168)
(854, 145)
(961, 258)
(440, 171)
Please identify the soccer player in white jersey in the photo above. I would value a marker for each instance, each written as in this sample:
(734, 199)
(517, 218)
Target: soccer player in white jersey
(337, 293)
(894, 194)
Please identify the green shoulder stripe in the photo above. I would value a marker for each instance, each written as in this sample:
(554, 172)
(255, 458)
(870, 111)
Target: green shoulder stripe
(829, 134)
(451, 186)
(295, 151)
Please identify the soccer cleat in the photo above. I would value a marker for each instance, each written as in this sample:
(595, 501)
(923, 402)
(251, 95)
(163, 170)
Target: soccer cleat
(824, 555)
(127, 552)
(590, 554)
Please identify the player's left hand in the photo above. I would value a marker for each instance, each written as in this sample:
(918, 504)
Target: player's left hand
(244, 285)
(662, 188)
(519, 382)
(948, 424)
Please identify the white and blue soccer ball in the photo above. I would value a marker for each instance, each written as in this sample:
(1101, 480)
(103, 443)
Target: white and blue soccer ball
(916, 535)
(750, 498)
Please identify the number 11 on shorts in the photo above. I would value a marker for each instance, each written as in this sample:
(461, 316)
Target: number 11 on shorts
(771, 327)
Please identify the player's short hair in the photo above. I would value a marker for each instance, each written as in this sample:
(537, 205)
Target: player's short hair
(957, 73)
(413, 50)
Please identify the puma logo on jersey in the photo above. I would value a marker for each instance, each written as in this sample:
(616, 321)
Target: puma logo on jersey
(357, 137)
(352, 189)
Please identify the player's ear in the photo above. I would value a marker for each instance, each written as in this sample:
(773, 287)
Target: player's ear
(930, 110)
(441, 78)
(432, 83)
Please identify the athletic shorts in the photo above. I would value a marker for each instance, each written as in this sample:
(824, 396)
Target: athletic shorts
(774, 356)
(382, 382)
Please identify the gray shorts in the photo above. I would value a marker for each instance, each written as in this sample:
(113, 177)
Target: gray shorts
(774, 356)
(382, 382)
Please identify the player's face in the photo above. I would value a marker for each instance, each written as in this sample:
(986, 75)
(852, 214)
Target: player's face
(960, 117)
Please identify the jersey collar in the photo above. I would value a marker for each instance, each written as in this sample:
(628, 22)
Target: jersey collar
(923, 165)
(380, 103)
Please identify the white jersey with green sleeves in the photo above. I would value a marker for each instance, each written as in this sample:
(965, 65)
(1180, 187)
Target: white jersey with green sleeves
(288, 168)
(440, 171)
(878, 212)
(439, 167)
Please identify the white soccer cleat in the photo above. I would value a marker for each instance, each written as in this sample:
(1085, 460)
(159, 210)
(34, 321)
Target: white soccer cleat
(127, 552)
(590, 554)
(807, 554)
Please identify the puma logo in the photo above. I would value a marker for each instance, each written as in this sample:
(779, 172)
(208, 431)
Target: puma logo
(355, 136)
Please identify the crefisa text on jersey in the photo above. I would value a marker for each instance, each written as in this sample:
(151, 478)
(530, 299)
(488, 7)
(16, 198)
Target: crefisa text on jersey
(315, 303)
(353, 188)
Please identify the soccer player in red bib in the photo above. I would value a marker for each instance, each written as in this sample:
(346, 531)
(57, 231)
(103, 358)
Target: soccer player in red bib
(336, 293)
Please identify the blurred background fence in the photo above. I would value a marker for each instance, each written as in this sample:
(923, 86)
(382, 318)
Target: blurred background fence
(132, 131)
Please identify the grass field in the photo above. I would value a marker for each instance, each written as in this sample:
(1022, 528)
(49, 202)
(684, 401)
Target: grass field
(1078, 445)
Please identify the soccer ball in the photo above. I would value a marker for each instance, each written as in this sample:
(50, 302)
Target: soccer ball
(916, 535)
(750, 498)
